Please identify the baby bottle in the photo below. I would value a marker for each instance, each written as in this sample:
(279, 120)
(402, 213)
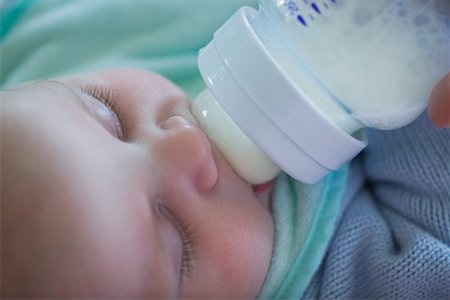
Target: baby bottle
(291, 84)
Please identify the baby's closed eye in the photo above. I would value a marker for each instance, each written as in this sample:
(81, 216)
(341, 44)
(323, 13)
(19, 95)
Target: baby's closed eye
(187, 236)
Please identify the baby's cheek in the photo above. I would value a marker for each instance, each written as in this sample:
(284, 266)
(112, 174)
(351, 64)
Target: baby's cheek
(245, 263)
(232, 264)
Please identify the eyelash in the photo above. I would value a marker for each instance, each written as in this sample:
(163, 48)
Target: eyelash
(187, 238)
(187, 253)
(106, 96)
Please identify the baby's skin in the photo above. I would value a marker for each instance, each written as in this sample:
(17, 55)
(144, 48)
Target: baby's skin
(110, 189)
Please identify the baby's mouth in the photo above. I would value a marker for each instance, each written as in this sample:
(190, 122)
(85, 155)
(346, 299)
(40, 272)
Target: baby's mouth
(263, 191)
(264, 187)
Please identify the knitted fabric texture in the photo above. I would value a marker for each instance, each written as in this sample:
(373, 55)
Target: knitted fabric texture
(393, 241)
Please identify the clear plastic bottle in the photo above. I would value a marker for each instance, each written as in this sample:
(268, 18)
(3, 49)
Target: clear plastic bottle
(300, 78)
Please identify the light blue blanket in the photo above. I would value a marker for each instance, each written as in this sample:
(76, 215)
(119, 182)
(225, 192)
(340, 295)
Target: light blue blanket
(393, 241)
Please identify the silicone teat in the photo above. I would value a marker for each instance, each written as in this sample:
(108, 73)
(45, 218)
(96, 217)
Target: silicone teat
(244, 157)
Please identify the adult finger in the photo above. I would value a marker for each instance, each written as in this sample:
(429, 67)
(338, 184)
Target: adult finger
(439, 106)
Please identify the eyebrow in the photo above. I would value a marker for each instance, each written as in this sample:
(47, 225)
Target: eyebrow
(58, 84)
(68, 88)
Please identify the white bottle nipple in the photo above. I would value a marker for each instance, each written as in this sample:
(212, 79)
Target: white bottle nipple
(244, 157)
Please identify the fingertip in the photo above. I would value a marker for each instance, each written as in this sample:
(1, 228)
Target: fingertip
(439, 107)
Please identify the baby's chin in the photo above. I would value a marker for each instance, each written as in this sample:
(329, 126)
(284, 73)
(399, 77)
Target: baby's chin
(262, 192)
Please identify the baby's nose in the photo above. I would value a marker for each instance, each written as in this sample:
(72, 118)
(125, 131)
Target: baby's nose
(187, 153)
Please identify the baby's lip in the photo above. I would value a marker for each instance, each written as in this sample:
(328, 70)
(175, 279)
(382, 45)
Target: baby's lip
(261, 188)
(262, 192)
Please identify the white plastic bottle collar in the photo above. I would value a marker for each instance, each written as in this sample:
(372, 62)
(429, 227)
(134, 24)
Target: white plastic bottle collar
(248, 84)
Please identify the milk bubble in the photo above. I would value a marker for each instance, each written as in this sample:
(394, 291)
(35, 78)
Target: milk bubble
(378, 59)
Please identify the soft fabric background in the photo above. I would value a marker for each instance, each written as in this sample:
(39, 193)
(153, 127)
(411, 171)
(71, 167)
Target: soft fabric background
(393, 241)
(49, 38)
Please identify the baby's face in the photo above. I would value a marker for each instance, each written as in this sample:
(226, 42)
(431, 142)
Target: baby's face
(129, 202)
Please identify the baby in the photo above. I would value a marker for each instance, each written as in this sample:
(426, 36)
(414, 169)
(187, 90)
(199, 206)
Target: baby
(109, 189)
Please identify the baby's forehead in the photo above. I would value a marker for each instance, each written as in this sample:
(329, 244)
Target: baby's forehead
(35, 91)
(35, 101)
